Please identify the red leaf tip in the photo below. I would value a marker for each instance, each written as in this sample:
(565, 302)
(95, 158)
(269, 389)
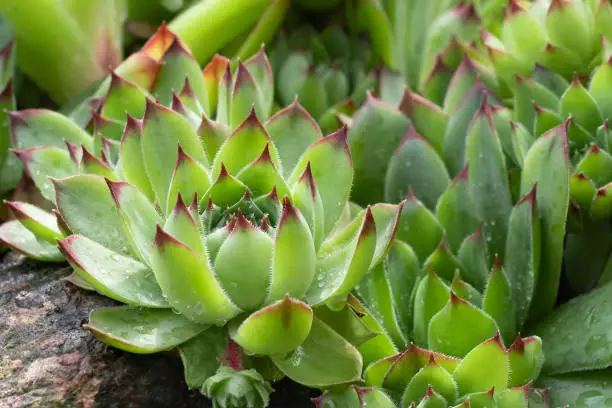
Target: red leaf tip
(242, 223)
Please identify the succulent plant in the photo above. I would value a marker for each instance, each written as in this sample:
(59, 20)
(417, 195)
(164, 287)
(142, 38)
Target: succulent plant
(229, 239)
(486, 172)
(488, 376)
(407, 35)
(236, 389)
(329, 71)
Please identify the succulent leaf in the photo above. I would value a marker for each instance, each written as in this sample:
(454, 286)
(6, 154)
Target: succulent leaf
(323, 360)
(111, 274)
(142, 331)
(192, 289)
(276, 329)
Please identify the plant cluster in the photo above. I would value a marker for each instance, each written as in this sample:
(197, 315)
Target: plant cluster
(412, 257)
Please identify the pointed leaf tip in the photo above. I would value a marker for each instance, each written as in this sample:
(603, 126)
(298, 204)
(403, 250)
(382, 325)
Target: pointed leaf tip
(242, 223)
(307, 177)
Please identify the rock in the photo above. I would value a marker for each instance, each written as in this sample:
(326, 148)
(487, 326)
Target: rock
(48, 360)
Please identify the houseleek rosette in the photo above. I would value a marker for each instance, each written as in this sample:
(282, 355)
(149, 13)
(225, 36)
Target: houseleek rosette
(229, 239)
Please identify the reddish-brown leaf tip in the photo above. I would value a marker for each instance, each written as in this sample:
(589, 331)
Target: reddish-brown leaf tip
(265, 225)
(187, 91)
(307, 177)
(242, 223)
(265, 156)
(288, 211)
(518, 345)
(368, 227)
(273, 195)
(115, 188)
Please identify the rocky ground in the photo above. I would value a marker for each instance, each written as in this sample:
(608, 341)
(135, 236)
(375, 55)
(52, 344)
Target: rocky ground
(48, 360)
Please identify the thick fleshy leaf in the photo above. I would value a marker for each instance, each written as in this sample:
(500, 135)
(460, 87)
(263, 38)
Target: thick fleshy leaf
(41, 127)
(44, 162)
(276, 329)
(245, 97)
(580, 390)
(427, 118)
(547, 164)
(432, 399)
(456, 212)
(245, 249)
(139, 216)
(523, 254)
(498, 302)
(443, 262)
(517, 397)
(90, 164)
(162, 131)
(343, 261)
(468, 74)
(370, 154)
(582, 191)
(406, 364)
(292, 130)
(212, 135)
(564, 14)
(244, 146)
(484, 367)
(323, 360)
(473, 257)
(101, 222)
(596, 165)
(188, 282)
(261, 71)
(351, 322)
(142, 331)
(431, 375)
(526, 359)
(17, 237)
(488, 180)
(332, 170)
(179, 64)
(564, 349)
(601, 209)
(181, 225)
(41, 223)
(431, 296)
(294, 258)
(201, 355)
(522, 33)
(261, 176)
(122, 97)
(416, 166)
(447, 332)
(580, 105)
(457, 129)
(307, 199)
(375, 289)
(111, 274)
(419, 228)
(131, 164)
(527, 93)
(465, 291)
(225, 191)
(402, 270)
(189, 178)
(600, 88)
